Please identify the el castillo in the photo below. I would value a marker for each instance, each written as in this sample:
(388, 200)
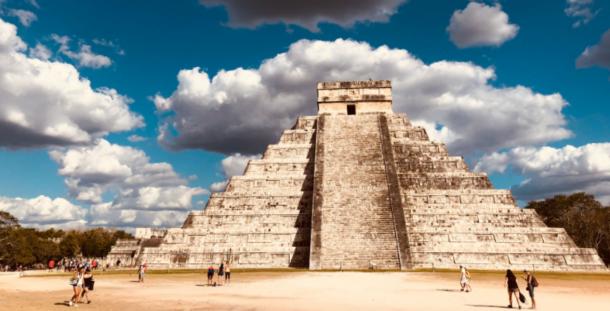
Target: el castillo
(358, 187)
(304, 155)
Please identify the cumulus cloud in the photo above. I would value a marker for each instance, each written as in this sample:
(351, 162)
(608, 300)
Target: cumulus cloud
(26, 18)
(105, 214)
(549, 171)
(45, 103)
(479, 25)
(85, 57)
(136, 138)
(44, 212)
(232, 165)
(306, 13)
(41, 52)
(243, 110)
(596, 55)
(580, 10)
(138, 186)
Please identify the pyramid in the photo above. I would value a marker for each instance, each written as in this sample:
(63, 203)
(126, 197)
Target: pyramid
(358, 187)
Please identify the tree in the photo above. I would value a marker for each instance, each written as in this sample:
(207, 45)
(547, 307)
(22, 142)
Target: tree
(583, 217)
(7, 220)
(70, 245)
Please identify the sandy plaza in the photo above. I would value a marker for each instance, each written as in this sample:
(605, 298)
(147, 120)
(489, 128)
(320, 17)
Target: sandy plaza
(302, 290)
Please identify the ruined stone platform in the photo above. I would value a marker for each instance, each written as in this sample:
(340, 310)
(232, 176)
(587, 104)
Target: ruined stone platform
(356, 187)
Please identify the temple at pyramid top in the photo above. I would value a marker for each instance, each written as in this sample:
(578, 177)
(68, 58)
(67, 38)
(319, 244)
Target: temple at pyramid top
(355, 97)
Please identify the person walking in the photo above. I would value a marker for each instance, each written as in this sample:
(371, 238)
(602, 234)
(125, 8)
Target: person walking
(227, 273)
(87, 285)
(210, 275)
(513, 288)
(465, 279)
(76, 281)
(532, 283)
(221, 273)
(141, 271)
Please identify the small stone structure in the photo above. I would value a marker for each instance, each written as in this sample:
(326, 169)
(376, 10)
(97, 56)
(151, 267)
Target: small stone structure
(129, 252)
(357, 187)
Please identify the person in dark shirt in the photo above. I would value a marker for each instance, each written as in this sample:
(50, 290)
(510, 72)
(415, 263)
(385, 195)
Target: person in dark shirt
(210, 275)
(221, 273)
(513, 288)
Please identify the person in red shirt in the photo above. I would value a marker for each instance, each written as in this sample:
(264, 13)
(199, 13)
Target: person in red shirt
(51, 264)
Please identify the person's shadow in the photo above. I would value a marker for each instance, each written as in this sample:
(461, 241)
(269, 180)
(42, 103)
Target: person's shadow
(488, 306)
(448, 290)
(65, 303)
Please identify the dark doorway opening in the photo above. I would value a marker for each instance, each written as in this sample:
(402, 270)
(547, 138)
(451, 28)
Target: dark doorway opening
(351, 109)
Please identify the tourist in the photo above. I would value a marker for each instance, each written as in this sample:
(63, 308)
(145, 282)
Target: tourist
(76, 281)
(51, 264)
(141, 271)
(210, 275)
(227, 273)
(465, 279)
(221, 273)
(513, 288)
(87, 285)
(532, 283)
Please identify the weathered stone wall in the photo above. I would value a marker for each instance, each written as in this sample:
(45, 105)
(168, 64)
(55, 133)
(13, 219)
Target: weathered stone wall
(262, 219)
(455, 217)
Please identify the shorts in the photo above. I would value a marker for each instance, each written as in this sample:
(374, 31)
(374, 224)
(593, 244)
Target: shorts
(228, 275)
(530, 290)
(210, 276)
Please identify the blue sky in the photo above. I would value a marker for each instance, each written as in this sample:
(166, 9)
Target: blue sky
(143, 45)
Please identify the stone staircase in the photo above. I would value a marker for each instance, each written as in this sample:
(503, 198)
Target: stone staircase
(353, 226)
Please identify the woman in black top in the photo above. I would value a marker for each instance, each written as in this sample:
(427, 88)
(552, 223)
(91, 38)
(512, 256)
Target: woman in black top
(221, 273)
(513, 288)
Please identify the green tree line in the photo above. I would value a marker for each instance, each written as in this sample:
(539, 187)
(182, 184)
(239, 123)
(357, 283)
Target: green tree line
(585, 219)
(28, 247)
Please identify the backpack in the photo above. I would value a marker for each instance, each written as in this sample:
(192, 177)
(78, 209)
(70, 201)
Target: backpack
(534, 281)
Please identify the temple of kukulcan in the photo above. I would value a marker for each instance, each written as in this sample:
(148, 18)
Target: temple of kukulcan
(357, 186)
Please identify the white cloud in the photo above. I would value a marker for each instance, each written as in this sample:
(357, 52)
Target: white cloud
(105, 214)
(479, 25)
(549, 171)
(136, 138)
(243, 110)
(596, 55)
(26, 18)
(306, 13)
(580, 10)
(41, 52)
(43, 212)
(219, 186)
(84, 56)
(232, 165)
(141, 189)
(235, 164)
(45, 103)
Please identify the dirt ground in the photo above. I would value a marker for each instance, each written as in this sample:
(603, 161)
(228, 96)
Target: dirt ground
(303, 291)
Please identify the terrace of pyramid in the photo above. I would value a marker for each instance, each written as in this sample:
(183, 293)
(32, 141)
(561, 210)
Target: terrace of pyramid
(359, 187)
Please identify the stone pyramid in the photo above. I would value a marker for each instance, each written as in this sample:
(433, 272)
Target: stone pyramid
(359, 187)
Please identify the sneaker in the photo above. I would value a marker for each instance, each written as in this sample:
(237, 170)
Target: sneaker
(70, 303)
